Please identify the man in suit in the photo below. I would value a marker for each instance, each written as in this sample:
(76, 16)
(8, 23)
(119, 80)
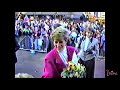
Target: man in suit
(16, 48)
(88, 53)
(50, 44)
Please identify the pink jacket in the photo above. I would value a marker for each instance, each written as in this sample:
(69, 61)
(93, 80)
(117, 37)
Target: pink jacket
(53, 63)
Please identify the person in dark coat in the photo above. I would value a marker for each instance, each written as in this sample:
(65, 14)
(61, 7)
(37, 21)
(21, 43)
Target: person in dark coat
(50, 44)
(16, 48)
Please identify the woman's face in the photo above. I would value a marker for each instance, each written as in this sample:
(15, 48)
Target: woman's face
(59, 44)
(26, 26)
(88, 34)
(68, 25)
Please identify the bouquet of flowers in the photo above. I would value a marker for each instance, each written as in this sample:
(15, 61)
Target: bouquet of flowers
(23, 75)
(74, 69)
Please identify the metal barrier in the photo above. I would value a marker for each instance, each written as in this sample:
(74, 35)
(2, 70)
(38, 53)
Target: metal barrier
(28, 43)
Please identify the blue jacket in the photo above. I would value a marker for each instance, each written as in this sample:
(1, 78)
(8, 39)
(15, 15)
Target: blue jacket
(82, 28)
(103, 42)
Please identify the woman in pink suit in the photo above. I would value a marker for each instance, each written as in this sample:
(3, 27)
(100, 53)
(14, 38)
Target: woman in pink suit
(58, 57)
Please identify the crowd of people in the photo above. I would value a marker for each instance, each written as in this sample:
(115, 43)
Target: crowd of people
(39, 30)
(60, 37)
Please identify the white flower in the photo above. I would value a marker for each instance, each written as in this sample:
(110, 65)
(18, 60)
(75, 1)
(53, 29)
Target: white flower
(82, 68)
(23, 75)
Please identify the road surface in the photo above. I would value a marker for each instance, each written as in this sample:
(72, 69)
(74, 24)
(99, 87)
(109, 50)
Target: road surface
(33, 64)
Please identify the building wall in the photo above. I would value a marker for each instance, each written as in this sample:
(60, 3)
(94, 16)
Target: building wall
(101, 14)
(47, 13)
(67, 14)
(51, 13)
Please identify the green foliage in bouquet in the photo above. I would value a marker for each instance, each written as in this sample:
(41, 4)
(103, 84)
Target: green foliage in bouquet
(74, 71)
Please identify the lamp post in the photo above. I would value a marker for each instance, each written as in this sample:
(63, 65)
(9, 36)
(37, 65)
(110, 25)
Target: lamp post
(34, 14)
(55, 14)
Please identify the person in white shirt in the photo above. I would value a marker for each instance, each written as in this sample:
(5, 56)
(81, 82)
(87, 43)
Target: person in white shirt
(40, 42)
(58, 57)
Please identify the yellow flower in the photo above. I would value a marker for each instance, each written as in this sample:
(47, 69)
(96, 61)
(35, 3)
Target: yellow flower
(68, 68)
(71, 65)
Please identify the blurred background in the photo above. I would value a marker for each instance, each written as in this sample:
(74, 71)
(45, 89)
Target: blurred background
(32, 31)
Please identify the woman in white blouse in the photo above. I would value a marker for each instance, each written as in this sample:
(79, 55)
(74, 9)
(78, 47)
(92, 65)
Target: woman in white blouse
(58, 57)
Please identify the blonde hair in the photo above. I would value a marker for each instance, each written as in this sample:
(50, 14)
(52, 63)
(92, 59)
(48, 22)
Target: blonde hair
(59, 33)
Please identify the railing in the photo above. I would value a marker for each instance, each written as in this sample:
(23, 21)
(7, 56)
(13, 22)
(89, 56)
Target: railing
(29, 43)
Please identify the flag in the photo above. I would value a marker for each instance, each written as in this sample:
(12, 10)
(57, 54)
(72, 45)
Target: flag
(26, 19)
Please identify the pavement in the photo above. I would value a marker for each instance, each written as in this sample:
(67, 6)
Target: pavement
(99, 68)
(28, 63)
(33, 64)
